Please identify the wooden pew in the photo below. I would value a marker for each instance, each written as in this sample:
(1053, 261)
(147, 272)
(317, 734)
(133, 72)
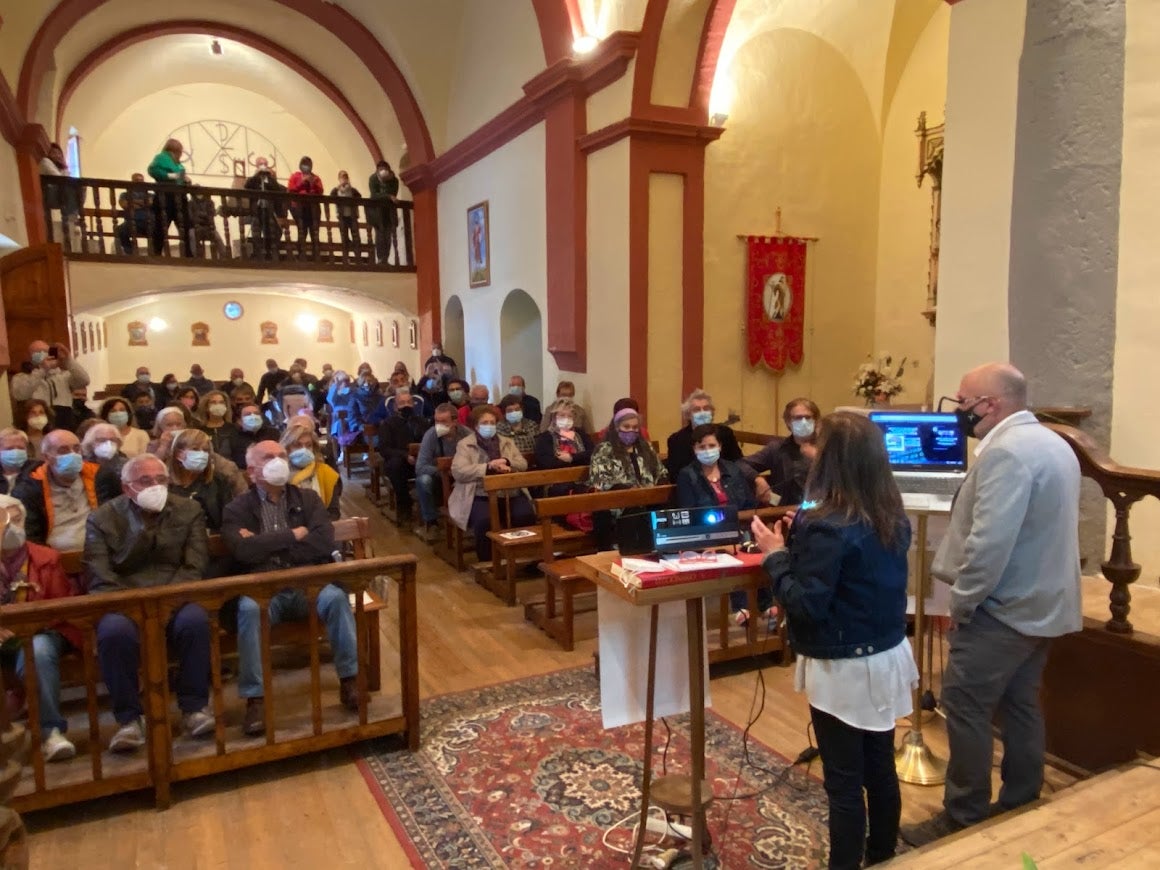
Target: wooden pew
(390, 506)
(457, 543)
(169, 758)
(374, 486)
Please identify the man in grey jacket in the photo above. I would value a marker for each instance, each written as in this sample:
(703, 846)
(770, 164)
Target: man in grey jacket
(1011, 555)
(55, 374)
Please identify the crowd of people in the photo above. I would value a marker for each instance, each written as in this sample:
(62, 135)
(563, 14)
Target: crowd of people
(268, 207)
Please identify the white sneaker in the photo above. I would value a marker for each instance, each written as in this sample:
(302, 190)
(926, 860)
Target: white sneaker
(57, 747)
(198, 722)
(129, 737)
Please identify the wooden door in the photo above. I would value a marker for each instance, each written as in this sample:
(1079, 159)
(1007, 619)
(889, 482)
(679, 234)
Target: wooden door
(32, 285)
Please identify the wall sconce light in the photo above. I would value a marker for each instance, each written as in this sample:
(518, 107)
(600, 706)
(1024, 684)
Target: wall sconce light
(585, 43)
(156, 324)
(718, 119)
(306, 322)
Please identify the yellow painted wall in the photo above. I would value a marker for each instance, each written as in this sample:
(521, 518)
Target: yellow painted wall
(1136, 415)
(905, 210)
(666, 320)
(11, 202)
(807, 143)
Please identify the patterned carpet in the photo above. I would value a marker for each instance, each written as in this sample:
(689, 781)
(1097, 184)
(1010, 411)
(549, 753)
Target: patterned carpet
(523, 775)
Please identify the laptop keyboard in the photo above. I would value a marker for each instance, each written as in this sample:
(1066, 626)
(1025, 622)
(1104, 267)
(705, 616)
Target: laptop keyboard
(940, 484)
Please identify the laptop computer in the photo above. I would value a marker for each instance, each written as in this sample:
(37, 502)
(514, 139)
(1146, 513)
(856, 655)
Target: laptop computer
(928, 455)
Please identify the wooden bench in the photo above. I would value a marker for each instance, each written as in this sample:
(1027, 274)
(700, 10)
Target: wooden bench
(390, 506)
(457, 543)
(374, 486)
(562, 578)
(511, 545)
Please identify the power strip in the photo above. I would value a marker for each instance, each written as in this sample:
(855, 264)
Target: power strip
(658, 825)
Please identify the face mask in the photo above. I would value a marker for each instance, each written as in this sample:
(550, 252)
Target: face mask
(802, 428)
(68, 464)
(195, 460)
(968, 419)
(442, 430)
(382, 173)
(152, 498)
(239, 381)
(79, 404)
(301, 457)
(276, 472)
(486, 430)
(252, 422)
(171, 386)
(456, 396)
(342, 391)
(516, 391)
(700, 418)
(119, 418)
(628, 438)
(514, 417)
(217, 410)
(14, 537)
(37, 423)
(142, 379)
(39, 356)
(709, 457)
(306, 167)
(106, 450)
(564, 424)
(13, 458)
(408, 411)
(569, 397)
(272, 369)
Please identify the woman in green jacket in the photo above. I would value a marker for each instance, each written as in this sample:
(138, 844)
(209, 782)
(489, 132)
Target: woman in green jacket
(169, 206)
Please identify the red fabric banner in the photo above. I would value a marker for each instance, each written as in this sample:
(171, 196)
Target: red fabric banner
(777, 300)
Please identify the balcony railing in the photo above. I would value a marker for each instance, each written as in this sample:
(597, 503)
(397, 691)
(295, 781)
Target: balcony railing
(122, 221)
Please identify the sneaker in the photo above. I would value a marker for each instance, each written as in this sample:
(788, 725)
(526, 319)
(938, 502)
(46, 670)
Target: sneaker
(255, 722)
(198, 723)
(934, 828)
(741, 617)
(129, 737)
(57, 747)
(348, 693)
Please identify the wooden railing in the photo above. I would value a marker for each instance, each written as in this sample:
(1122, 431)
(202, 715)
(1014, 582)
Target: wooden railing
(170, 759)
(122, 221)
(1123, 487)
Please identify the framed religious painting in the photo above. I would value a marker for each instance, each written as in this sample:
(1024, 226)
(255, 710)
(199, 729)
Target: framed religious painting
(325, 332)
(138, 334)
(366, 334)
(478, 245)
(200, 332)
(269, 332)
(378, 333)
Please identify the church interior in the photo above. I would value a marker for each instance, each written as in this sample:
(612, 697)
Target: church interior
(583, 192)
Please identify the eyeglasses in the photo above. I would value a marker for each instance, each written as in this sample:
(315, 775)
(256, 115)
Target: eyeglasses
(156, 480)
(967, 402)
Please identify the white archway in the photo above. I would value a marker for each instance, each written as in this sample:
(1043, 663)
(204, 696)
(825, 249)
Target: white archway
(521, 339)
(453, 344)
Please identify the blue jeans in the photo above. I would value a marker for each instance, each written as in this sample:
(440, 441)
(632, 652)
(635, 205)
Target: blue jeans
(427, 488)
(288, 606)
(47, 648)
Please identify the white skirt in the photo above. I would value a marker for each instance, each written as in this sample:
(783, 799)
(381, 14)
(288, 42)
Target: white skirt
(870, 692)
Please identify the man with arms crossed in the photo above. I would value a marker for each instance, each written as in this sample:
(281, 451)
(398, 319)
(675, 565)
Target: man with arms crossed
(1011, 555)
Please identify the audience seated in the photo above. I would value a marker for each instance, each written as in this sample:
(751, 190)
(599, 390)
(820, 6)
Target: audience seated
(406, 427)
(198, 380)
(238, 382)
(447, 364)
(277, 525)
(32, 572)
(367, 397)
(308, 466)
(623, 460)
(270, 381)
(147, 537)
(55, 373)
(477, 397)
(478, 454)
(440, 441)
(80, 407)
(192, 475)
(171, 421)
(14, 459)
(400, 382)
(345, 416)
(327, 378)
(517, 386)
(217, 421)
(143, 385)
(431, 386)
(101, 443)
(562, 445)
(697, 410)
(144, 412)
(514, 425)
(188, 397)
(788, 460)
(60, 493)
(39, 420)
(168, 393)
(620, 405)
(567, 390)
(117, 413)
(239, 398)
(288, 402)
(457, 392)
(252, 429)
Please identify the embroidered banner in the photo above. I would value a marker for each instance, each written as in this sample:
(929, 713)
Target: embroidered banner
(777, 299)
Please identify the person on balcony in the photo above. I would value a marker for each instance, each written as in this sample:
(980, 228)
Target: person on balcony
(134, 204)
(169, 205)
(65, 196)
(307, 214)
(348, 229)
(382, 214)
(54, 375)
(205, 225)
(143, 538)
(266, 214)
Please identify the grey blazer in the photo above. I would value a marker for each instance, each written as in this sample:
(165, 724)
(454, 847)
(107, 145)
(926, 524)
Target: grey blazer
(1012, 546)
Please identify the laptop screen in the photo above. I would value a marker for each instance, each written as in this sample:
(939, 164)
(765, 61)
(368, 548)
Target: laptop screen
(917, 441)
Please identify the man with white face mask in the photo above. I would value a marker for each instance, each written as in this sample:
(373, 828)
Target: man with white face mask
(277, 525)
(787, 460)
(697, 410)
(147, 537)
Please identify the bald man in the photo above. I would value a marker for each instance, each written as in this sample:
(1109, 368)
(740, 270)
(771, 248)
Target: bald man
(1011, 555)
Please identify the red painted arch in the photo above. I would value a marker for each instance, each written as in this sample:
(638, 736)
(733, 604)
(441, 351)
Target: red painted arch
(361, 43)
(560, 24)
(708, 53)
(144, 33)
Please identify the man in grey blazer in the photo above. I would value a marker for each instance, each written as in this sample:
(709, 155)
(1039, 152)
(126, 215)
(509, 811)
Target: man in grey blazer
(1011, 555)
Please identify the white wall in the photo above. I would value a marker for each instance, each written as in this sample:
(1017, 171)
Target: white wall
(511, 179)
(11, 200)
(94, 356)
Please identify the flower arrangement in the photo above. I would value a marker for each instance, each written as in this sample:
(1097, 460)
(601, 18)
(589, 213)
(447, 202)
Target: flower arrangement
(878, 380)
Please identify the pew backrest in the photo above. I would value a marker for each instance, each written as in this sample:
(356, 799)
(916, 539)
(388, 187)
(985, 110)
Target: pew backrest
(497, 484)
(548, 509)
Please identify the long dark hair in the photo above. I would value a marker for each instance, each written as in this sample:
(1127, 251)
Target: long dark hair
(851, 476)
(644, 449)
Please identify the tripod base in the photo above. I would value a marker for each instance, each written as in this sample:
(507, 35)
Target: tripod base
(916, 764)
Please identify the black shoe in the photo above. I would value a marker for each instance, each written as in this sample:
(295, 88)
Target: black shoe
(254, 723)
(934, 828)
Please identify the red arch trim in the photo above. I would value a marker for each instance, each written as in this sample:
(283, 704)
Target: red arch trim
(560, 23)
(708, 53)
(144, 33)
(336, 20)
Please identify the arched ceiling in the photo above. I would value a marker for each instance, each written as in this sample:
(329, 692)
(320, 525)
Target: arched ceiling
(337, 297)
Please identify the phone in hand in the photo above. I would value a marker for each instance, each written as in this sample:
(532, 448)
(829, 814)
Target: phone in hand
(53, 352)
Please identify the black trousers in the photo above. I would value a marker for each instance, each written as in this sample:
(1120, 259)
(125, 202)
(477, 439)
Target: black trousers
(479, 521)
(399, 472)
(861, 782)
(171, 208)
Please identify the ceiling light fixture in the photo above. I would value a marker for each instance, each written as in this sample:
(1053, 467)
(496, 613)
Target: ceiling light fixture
(585, 43)
(215, 48)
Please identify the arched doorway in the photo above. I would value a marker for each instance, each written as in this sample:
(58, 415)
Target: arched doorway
(521, 341)
(453, 334)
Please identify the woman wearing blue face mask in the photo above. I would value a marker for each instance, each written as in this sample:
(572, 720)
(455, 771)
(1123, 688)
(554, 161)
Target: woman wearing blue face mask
(117, 413)
(697, 410)
(477, 455)
(308, 469)
(788, 460)
(345, 410)
(14, 458)
(192, 474)
(515, 426)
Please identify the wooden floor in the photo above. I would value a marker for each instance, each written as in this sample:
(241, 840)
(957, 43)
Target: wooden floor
(318, 812)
